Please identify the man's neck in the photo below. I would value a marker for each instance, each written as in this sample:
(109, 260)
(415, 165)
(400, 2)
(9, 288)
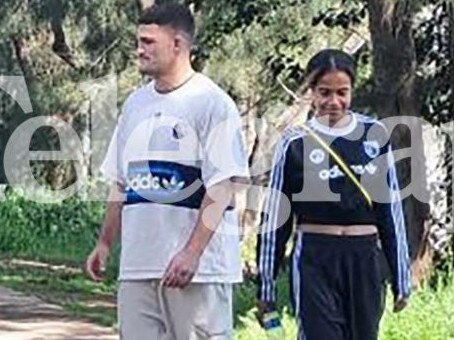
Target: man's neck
(173, 80)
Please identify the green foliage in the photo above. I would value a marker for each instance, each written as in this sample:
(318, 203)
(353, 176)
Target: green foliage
(66, 231)
(351, 13)
(430, 316)
(65, 286)
(434, 51)
(57, 45)
(244, 44)
(249, 60)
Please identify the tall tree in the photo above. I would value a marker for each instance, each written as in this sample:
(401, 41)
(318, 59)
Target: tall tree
(397, 93)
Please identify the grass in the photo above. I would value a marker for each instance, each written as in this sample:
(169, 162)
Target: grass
(64, 286)
(52, 242)
(430, 315)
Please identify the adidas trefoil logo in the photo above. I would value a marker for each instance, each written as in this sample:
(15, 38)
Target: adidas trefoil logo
(173, 185)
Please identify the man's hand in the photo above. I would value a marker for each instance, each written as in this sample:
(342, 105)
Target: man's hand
(181, 269)
(399, 304)
(96, 262)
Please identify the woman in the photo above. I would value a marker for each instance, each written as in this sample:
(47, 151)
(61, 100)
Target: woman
(335, 172)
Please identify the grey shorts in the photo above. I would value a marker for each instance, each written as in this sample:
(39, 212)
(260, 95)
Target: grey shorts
(201, 311)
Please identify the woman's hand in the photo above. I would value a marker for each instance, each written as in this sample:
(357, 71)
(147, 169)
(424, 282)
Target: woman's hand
(399, 304)
(264, 307)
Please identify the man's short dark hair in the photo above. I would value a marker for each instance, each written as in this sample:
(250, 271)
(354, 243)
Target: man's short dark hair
(172, 14)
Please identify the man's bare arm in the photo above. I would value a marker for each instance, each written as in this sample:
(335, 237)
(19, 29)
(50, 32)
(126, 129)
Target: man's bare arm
(184, 265)
(112, 220)
(96, 261)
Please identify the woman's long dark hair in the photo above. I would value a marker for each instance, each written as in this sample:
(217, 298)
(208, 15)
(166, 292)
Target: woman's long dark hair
(329, 60)
(325, 61)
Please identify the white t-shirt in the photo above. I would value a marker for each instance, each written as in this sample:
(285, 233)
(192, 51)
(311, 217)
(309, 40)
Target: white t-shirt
(166, 150)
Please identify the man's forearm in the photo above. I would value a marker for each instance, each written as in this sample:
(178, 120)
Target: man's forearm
(112, 221)
(214, 203)
(111, 225)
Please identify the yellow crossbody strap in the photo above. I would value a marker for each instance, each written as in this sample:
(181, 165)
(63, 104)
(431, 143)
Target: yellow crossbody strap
(340, 162)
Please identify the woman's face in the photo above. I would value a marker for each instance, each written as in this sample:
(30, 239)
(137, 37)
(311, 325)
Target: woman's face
(332, 95)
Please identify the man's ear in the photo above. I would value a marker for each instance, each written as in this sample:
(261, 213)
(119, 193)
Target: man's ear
(181, 42)
(176, 43)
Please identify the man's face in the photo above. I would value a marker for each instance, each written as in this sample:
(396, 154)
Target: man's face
(156, 49)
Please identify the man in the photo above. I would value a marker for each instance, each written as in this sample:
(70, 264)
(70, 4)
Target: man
(177, 157)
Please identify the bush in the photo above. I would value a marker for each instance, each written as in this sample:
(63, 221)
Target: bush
(63, 232)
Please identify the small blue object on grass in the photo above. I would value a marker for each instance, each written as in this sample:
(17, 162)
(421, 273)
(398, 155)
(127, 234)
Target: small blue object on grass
(273, 326)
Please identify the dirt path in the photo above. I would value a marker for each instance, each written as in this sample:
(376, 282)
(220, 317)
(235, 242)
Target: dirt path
(25, 317)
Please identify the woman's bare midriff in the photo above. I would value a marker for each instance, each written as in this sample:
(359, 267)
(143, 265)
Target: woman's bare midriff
(339, 230)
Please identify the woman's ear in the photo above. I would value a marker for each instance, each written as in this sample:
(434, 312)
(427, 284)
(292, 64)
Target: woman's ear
(313, 107)
(310, 113)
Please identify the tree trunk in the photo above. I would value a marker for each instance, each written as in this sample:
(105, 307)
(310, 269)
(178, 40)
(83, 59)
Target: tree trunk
(396, 94)
(450, 157)
(451, 51)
